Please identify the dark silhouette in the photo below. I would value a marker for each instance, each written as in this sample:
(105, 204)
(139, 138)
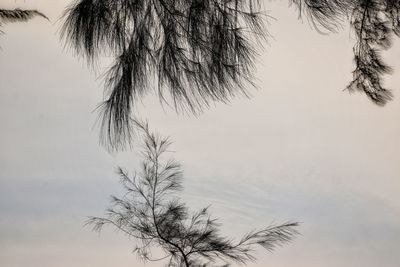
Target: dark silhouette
(374, 23)
(202, 50)
(152, 214)
(18, 15)
(198, 51)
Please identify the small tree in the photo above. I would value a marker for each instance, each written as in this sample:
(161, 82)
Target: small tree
(151, 213)
(18, 15)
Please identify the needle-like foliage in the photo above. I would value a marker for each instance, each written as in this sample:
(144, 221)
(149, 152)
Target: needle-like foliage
(151, 213)
(191, 52)
(200, 51)
(18, 15)
(374, 22)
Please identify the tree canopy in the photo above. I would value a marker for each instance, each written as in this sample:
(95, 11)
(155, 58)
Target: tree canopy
(194, 52)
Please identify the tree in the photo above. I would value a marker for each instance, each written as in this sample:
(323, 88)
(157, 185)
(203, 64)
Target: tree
(151, 213)
(18, 15)
(198, 50)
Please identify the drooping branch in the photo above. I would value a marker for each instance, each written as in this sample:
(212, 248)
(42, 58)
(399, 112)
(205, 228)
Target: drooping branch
(374, 23)
(373, 33)
(192, 52)
(18, 15)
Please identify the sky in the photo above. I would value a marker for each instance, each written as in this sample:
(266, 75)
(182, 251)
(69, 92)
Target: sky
(300, 149)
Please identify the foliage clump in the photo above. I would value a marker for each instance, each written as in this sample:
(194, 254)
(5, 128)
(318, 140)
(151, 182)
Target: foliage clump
(198, 51)
(18, 15)
(374, 23)
(195, 52)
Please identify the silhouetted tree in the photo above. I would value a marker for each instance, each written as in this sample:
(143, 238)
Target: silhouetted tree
(197, 50)
(17, 15)
(151, 213)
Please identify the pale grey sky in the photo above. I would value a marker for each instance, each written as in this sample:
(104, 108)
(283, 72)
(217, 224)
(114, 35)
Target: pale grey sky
(301, 149)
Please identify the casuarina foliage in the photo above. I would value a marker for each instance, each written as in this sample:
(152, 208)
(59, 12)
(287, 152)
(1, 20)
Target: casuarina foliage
(191, 52)
(195, 52)
(374, 23)
(18, 15)
(151, 213)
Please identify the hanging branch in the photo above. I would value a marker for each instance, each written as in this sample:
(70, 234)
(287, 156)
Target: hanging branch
(373, 31)
(193, 52)
(18, 15)
(374, 22)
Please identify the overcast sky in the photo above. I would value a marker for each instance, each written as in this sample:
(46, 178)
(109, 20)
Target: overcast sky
(300, 149)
